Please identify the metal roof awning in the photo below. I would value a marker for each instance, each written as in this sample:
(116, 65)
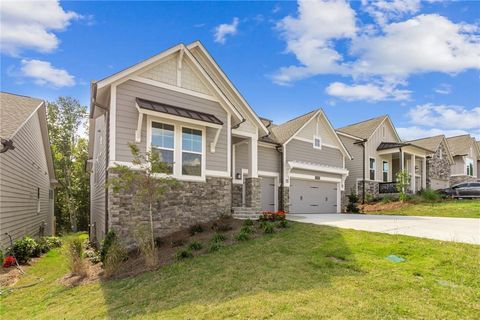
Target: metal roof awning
(391, 145)
(178, 111)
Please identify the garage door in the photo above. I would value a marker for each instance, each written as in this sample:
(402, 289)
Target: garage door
(436, 184)
(308, 196)
(268, 193)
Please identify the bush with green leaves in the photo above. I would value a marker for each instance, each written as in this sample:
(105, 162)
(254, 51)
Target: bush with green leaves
(248, 223)
(429, 195)
(107, 242)
(114, 258)
(23, 249)
(221, 227)
(93, 256)
(196, 228)
(53, 242)
(218, 237)
(242, 236)
(246, 229)
(195, 245)
(178, 242)
(215, 246)
(183, 254)
(282, 224)
(352, 203)
(74, 253)
(269, 227)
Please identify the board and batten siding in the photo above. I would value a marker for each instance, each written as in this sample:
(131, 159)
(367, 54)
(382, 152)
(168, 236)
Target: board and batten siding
(353, 166)
(127, 117)
(97, 180)
(372, 144)
(22, 172)
(298, 150)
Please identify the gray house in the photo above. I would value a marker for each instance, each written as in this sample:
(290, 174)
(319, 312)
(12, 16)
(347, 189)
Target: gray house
(180, 104)
(438, 163)
(465, 152)
(26, 169)
(378, 155)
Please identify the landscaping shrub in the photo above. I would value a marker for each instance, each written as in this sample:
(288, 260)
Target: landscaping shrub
(53, 242)
(269, 228)
(429, 195)
(183, 254)
(195, 245)
(158, 242)
(248, 223)
(221, 227)
(146, 246)
(196, 228)
(116, 254)
(74, 253)
(93, 256)
(107, 242)
(242, 236)
(246, 229)
(387, 199)
(218, 237)
(214, 247)
(24, 249)
(178, 243)
(282, 224)
(352, 203)
(272, 216)
(42, 247)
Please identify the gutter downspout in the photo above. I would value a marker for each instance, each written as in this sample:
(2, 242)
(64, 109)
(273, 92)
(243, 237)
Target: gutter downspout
(362, 143)
(107, 157)
(278, 148)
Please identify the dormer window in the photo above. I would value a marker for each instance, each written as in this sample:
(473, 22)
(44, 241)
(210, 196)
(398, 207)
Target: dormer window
(317, 142)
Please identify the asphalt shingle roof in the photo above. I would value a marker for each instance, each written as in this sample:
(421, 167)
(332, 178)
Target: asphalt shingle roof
(460, 145)
(14, 111)
(363, 129)
(430, 143)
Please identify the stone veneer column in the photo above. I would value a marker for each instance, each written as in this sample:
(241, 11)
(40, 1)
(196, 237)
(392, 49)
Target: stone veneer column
(252, 193)
(286, 198)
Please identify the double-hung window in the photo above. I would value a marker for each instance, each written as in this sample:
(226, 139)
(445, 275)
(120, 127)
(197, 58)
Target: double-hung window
(163, 142)
(385, 171)
(372, 169)
(469, 164)
(191, 152)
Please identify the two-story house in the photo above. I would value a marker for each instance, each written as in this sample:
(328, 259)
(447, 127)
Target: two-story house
(465, 152)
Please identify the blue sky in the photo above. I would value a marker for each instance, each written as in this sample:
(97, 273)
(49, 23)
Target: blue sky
(417, 61)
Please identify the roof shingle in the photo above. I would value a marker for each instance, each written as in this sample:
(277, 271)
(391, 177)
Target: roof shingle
(14, 111)
(363, 129)
(460, 145)
(281, 133)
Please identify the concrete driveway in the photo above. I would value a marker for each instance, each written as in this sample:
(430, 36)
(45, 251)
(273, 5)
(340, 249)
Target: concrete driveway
(465, 230)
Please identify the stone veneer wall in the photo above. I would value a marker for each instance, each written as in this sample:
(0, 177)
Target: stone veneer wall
(438, 168)
(237, 194)
(181, 207)
(286, 198)
(371, 187)
(462, 178)
(253, 193)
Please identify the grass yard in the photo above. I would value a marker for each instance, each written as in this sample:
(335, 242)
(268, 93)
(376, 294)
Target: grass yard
(453, 208)
(305, 272)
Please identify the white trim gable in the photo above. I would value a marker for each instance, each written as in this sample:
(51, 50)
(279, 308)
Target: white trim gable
(391, 126)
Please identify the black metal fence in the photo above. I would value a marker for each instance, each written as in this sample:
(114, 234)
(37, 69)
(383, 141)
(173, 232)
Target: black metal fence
(387, 187)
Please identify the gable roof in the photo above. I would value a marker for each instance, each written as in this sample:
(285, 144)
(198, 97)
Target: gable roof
(433, 143)
(363, 129)
(460, 145)
(15, 110)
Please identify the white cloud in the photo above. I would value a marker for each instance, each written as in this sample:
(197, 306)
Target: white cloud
(443, 89)
(370, 92)
(414, 132)
(225, 29)
(310, 38)
(44, 73)
(30, 25)
(383, 11)
(445, 116)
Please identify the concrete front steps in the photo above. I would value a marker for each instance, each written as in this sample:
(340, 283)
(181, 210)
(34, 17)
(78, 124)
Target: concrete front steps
(244, 213)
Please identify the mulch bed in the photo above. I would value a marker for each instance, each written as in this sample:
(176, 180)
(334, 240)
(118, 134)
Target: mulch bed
(9, 276)
(379, 206)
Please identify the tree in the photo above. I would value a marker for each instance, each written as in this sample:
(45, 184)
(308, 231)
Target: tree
(147, 185)
(66, 118)
(403, 181)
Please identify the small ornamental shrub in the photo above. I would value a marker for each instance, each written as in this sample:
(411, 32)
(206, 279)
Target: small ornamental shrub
(42, 246)
(53, 242)
(272, 216)
(146, 246)
(352, 203)
(282, 224)
(269, 228)
(107, 242)
(218, 237)
(115, 256)
(246, 230)
(214, 247)
(158, 242)
(93, 256)
(195, 245)
(429, 195)
(183, 254)
(24, 249)
(9, 261)
(178, 243)
(221, 227)
(74, 253)
(242, 236)
(196, 228)
(248, 223)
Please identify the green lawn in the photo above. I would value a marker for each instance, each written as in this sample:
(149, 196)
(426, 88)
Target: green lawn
(452, 208)
(305, 272)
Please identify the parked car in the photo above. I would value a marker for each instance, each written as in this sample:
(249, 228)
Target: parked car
(463, 190)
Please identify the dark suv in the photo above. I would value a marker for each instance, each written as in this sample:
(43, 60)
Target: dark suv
(463, 190)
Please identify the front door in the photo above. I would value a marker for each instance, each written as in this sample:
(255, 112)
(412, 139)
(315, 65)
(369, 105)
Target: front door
(267, 193)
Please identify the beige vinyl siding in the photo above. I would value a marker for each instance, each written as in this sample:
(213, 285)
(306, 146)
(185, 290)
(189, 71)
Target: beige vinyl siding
(269, 159)
(372, 144)
(97, 180)
(298, 150)
(353, 166)
(323, 131)
(22, 171)
(459, 166)
(127, 117)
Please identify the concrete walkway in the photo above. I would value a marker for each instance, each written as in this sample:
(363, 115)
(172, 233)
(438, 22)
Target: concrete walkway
(465, 230)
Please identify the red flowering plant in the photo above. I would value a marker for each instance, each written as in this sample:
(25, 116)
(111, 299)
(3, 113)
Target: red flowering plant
(9, 261)
(272, 215)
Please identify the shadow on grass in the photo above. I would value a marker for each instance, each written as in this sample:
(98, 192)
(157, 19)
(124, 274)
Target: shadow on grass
(300, 258)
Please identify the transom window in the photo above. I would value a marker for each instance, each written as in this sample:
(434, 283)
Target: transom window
(385, 171)
(317, 142)
(191, 152)
(163, 142)
(372, 169)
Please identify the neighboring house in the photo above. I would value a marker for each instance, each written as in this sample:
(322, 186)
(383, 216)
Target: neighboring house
(478, 161)
(181, 104)
(465, 152)
(378, 155)
(26, 169)
(438, 163)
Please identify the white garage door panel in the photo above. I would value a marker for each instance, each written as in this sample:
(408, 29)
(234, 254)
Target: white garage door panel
(267, 193)
(309, 196)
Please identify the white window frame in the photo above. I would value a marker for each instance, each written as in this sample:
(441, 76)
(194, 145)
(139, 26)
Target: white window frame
(177, 147)
(374, 169)
(383, 170)
(317, 137)
(468, 162)
(440, 155)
